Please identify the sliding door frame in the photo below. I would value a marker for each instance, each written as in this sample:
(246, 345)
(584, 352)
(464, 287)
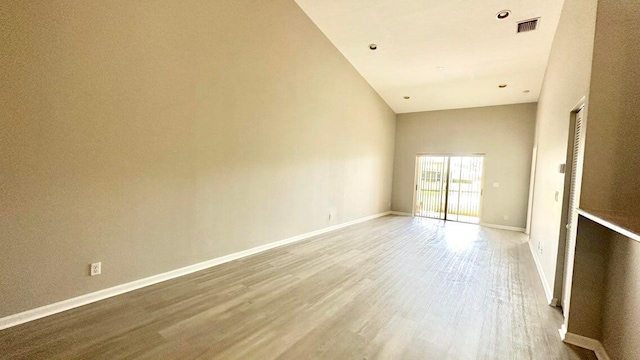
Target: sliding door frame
(448, 155)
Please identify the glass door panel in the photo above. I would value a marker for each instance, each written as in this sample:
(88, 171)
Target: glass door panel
(431, 180)
(449, 187)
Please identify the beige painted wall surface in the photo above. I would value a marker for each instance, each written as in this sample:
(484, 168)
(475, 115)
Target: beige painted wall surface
(612, 152)
(606, 290)
(621, 319)
(566, 82)
(612, 164)
(589, 279)
(504, 133)
(154, 135)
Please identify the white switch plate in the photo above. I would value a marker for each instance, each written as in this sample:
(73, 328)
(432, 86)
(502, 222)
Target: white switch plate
(496, 184)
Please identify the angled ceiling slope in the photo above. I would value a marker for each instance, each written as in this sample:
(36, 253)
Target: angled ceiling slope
(442, 54)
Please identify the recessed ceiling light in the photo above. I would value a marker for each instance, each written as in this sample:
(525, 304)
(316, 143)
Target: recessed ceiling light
(407, 97)
(527, 91)
(502, 86)
(503, 14)
(373, 46)
(440, 68)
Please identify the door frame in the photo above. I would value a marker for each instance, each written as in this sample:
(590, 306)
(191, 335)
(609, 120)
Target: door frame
(415, 181)
(532, 185)
(559, 297)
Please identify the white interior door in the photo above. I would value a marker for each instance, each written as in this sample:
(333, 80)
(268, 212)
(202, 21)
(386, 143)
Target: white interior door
(574, 203)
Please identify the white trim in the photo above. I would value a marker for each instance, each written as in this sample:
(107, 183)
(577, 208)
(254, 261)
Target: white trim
(532, 182)
(40, 312)
(503, 227)
(584, 342)
(563, 332)
(606, 223)
(545, 284)
(580, 105)
(400, 213)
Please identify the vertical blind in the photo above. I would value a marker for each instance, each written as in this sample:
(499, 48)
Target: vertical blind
(449, 187)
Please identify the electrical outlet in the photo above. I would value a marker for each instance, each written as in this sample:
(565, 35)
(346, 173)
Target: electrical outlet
(96, 269)
(506, 217)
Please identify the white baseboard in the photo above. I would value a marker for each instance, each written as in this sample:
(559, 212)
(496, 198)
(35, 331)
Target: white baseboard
(47, 310)
(400, 213)
(584, 342)
(503, 227)
(545, 284)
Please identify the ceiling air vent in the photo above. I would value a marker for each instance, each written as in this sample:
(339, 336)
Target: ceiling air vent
(528, 25)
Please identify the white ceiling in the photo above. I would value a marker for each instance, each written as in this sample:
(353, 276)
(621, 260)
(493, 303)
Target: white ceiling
(415, 37)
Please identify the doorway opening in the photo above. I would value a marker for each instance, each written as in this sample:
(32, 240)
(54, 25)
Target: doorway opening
(449, 187)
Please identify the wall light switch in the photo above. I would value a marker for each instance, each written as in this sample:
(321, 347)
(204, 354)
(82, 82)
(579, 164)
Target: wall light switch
(496, 184)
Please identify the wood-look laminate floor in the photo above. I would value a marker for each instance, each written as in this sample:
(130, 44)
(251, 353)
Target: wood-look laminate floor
(390, 288)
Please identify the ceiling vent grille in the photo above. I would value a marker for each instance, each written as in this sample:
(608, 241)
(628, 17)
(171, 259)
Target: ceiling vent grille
(528, 25)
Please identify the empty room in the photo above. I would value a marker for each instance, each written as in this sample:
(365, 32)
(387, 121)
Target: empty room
(305, 179)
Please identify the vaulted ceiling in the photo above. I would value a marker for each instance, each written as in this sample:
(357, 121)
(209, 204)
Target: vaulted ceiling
(442, 54)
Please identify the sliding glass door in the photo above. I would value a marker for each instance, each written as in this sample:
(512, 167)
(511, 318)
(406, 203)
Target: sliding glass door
(431, 186)
(449, 187)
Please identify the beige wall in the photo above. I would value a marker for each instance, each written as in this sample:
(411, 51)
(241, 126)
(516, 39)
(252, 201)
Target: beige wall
(152, 135)
(589, 279)
(606, 290)
(566, 82)
(612, 165)
(621, 318)
(612, 152)
(504, 133)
